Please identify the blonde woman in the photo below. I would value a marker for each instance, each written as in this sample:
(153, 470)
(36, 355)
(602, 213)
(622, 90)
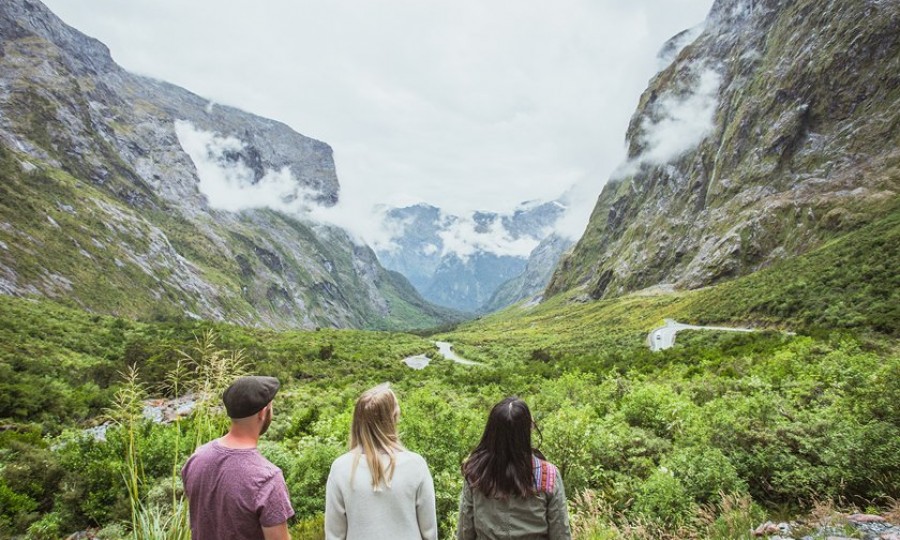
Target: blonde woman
(379, 489)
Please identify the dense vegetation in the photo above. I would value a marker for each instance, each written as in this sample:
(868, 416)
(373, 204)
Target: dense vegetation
(702, 440)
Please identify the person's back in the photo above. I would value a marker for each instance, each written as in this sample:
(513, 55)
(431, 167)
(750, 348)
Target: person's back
(405, 510)
(233, 492)
(509, 490)
(539, 516)
(379, 489)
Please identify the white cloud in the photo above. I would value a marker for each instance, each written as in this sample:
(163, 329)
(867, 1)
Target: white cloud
(683, 121)
(365, 224)
(677, 122)
(464, 104)
(230, 184)
(463, 238)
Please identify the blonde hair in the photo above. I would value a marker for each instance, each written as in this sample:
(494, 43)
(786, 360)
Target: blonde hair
(374, 432)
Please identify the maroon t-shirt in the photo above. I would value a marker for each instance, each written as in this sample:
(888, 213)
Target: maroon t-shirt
(233, 493)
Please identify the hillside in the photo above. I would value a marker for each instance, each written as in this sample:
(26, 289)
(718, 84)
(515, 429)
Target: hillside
(774, 130)
(106, 200)
(849, 284)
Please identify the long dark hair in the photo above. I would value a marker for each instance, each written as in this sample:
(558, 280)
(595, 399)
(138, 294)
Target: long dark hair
(501, 465)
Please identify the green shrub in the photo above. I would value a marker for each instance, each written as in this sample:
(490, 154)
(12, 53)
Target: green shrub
(655, 407)
(663, 498)
(704, 472)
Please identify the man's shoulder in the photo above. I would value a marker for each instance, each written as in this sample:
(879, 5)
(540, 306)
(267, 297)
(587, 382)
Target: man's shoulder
(246, 461)
(205, 449)
(201, 454)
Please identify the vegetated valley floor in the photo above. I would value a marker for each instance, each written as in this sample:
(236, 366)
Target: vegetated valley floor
(655, 438)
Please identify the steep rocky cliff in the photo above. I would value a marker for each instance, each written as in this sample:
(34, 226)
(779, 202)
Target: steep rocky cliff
(103, 206)
(776, 128)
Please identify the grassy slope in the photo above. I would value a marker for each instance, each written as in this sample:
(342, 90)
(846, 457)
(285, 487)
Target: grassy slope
(75, 358)
(852, 282)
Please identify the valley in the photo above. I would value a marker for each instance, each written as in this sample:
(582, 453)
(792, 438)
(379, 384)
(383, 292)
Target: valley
(612, 412)
(757, 216)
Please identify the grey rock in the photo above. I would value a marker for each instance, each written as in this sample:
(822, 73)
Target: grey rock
(798, 150)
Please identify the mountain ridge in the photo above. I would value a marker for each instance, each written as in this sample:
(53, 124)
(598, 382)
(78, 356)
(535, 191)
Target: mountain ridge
(110, 186)
(462, 261)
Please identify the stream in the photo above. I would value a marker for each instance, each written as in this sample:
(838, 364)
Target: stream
(445, 349)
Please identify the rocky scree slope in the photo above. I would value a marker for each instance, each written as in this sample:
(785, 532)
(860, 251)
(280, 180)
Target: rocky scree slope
(774, 130)
(101, 205)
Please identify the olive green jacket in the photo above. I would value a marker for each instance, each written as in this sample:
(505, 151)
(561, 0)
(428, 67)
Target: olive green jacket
(542, 516)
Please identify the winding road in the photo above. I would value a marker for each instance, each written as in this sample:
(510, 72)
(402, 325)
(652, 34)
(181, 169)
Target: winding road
(664, 336)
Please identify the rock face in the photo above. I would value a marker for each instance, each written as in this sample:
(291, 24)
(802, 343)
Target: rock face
(775, 129)
(102, 207)
(531, 282)
(461, 261)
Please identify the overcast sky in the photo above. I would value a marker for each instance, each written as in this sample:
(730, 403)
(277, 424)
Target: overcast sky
(464, 104)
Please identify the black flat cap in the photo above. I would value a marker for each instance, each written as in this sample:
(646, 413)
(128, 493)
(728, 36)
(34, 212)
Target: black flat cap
(249, 395)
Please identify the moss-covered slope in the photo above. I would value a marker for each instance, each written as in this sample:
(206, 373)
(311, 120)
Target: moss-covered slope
(849, 284)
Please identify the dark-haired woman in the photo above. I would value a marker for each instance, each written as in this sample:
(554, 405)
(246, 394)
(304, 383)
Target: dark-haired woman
(510, 491)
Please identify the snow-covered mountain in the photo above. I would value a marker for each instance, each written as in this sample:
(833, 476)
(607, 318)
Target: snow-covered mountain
(462, 261)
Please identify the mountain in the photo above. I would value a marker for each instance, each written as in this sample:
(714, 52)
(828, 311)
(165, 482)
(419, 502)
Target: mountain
(537, 273)
(106, 200)
(467, 283)
(774, 130)
(461, 261)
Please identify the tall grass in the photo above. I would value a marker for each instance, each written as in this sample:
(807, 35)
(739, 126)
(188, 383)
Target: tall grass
(212, 370)
(732, 518)
(127, 414)
(204, 371)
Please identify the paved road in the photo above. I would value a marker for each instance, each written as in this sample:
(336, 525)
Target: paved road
(664, 336)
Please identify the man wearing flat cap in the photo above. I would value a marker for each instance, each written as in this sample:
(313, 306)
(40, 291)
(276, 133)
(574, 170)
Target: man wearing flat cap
(233, 491)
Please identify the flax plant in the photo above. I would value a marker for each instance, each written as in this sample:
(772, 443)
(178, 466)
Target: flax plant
(127, 414)
(156, 523)
(178, 522)
(214, 369)
(203, 371)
